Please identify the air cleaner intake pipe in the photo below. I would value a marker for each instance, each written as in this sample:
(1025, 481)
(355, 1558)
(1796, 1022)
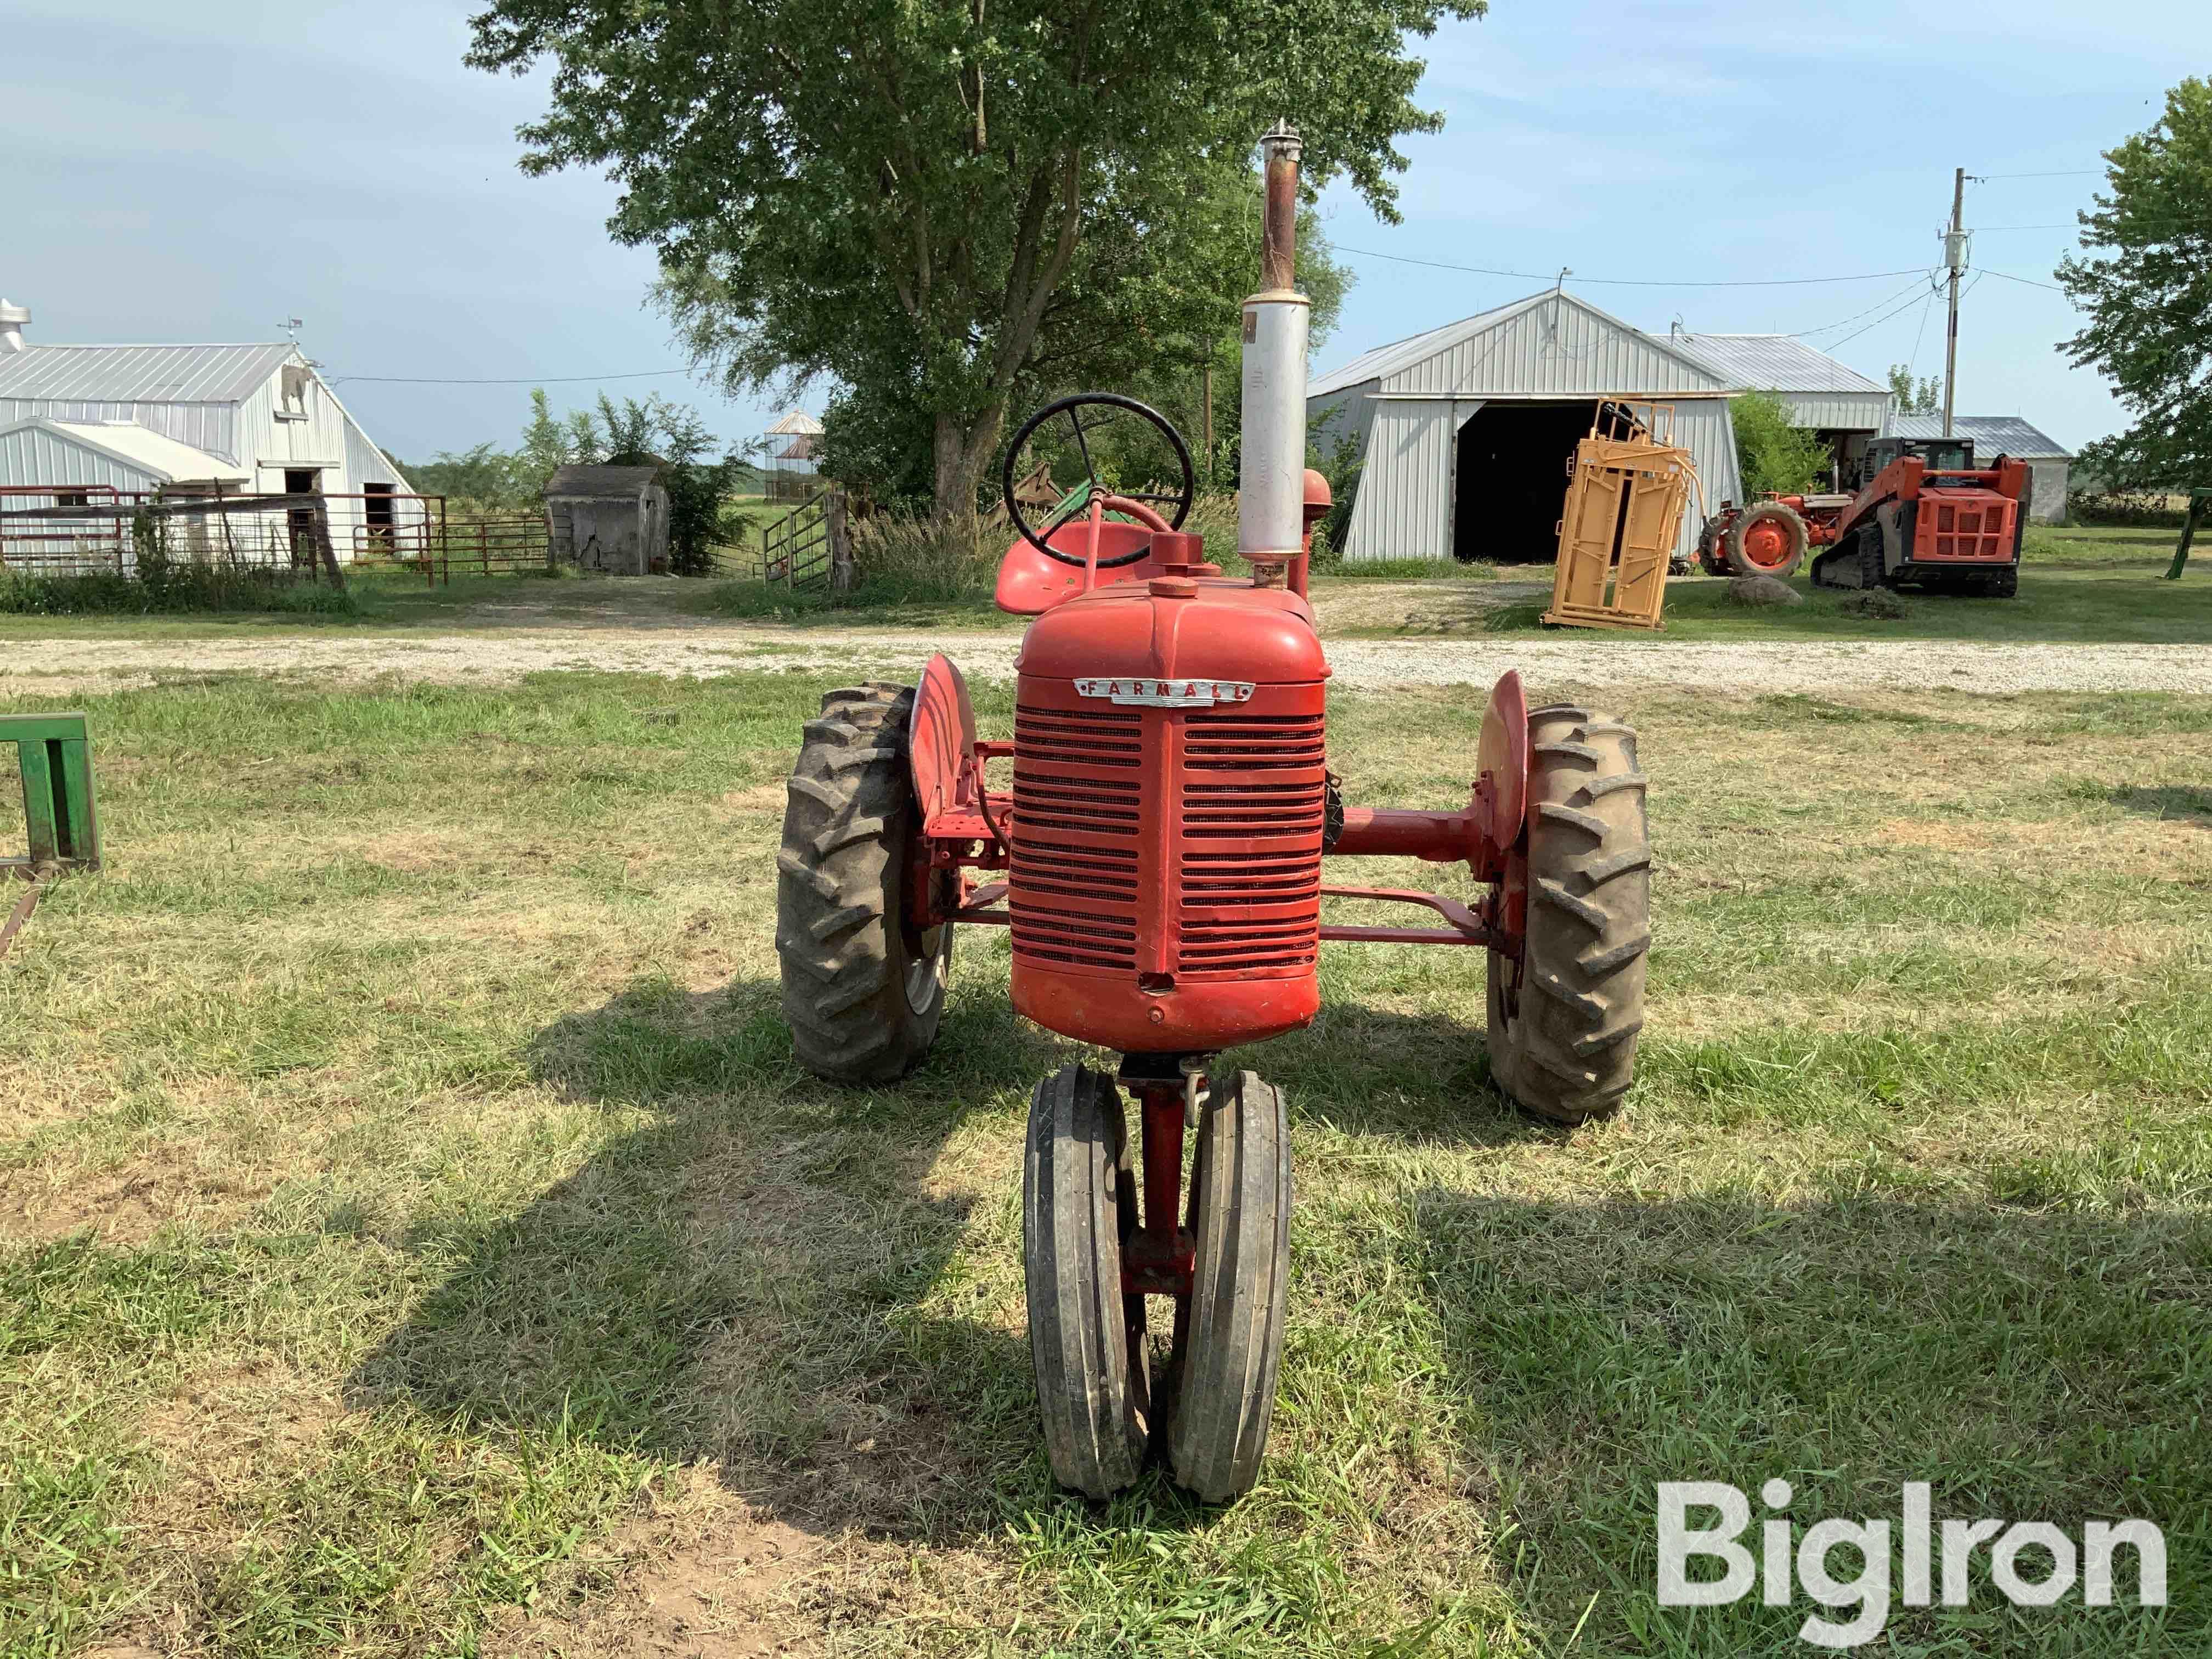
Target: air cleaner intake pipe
(1270, 477)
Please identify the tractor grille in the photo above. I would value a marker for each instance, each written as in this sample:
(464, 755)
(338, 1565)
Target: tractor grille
(1239, 891)
(1077, 808)
(1971, 530)
(1254, 795)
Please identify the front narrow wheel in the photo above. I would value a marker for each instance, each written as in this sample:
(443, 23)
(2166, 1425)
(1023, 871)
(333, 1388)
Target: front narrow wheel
(1564, 1015)
(1078, 1206)
(1240, 1207)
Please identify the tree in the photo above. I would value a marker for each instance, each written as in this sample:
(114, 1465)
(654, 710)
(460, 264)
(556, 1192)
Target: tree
(1921, 397)
(485, 474)
(2149, 298)
(897, 191)
(1103, 332)
(1775, 456)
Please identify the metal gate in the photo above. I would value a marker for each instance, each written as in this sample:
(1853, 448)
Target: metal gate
(1627, 485)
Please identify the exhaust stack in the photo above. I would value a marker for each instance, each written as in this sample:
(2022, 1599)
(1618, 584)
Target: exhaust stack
(12, 319)
(1271, 475)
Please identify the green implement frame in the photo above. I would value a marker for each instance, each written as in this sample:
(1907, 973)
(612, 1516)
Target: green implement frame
(2200, 505)
(53, 753)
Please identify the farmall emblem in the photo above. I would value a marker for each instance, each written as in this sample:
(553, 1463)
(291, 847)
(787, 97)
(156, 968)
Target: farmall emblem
(1167, 694)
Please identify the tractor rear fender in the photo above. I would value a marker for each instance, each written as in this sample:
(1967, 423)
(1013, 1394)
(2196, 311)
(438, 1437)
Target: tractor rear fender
(941, 743)
(1491, 826)
(1501, 783)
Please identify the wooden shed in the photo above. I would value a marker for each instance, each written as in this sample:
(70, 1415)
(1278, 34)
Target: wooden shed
(613, 520)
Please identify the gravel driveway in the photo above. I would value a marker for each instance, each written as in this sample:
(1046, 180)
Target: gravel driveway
(46, 665)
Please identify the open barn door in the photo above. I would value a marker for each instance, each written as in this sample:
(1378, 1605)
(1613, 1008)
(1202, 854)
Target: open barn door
(1627, 487)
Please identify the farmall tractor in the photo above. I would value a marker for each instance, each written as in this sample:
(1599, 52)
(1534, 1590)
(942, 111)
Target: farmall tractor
(1157, 855)
(1924, 516)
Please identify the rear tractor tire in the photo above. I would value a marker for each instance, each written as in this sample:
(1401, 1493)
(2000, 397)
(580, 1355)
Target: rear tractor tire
(1563, 1018)
(1766, 540)
(862, 990)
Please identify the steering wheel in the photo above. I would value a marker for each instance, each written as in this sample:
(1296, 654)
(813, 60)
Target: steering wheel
(1139, 506)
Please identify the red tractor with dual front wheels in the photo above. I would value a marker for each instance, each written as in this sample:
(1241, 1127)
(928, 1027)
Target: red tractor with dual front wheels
(1153, 838)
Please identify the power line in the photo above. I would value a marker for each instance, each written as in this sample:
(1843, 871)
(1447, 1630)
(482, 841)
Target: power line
(2024, 281)
(1912, 363)
(2080, 172)
(1625, 282)
(523, 380)
(1834, 346)
(1912, 287)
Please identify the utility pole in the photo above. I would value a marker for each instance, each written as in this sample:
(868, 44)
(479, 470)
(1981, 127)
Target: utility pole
(1955, 257)
(1209, 421)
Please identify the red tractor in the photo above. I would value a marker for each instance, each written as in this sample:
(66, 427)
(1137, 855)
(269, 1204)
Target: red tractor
(1156, 850)
(1924, 516)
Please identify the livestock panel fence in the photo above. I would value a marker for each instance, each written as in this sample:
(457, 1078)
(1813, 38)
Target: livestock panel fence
(96, 530)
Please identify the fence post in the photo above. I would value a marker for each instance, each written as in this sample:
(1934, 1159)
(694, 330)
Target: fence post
(840, 545)
(324, 545)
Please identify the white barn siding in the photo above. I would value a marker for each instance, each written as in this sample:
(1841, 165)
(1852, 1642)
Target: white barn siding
(1403, 507)
(2046, 490)
(211, 427)
(1703, 427)
(1555, 347)
(33, 455)
(1333, 417)
(1835, 411)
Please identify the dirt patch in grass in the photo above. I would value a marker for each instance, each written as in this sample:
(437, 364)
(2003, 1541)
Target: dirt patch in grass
(1952, 837)
(129, 1202)
(705, 1576)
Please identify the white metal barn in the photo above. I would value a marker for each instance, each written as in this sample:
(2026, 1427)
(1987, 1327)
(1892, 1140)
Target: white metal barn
(250, 419)
(1466, 432)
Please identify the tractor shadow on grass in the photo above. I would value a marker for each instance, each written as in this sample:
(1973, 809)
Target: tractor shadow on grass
(818, 1288)
(2181, 801)
(1592, 1349)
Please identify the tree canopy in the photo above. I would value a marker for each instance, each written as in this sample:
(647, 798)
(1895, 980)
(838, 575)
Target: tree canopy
(1922, 397)
(940, 197)
(1774, 457)
(653, 431)
(2145, 280)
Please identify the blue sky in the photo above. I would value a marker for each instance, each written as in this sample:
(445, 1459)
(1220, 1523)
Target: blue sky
(199, 172)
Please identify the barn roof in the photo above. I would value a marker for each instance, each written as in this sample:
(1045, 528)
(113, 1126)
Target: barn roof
(140, 374)
(1686, 362)
(1772, 363)
(1993, 434)
(1550, 343)
(601, 483)
(127, 441)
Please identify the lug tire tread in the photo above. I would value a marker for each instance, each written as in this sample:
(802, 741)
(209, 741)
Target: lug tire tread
(841, 873)
(1569, 1052)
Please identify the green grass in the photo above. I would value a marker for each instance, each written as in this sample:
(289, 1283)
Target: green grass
(2076, 585)
(414, 1236)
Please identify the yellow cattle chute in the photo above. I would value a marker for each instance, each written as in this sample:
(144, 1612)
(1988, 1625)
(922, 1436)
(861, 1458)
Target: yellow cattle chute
(1627, 485)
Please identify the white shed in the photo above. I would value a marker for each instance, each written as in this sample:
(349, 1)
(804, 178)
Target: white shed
(1466, 432)
(257, 419)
